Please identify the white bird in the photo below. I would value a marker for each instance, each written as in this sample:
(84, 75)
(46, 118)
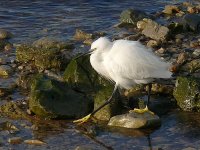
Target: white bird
(127, 63)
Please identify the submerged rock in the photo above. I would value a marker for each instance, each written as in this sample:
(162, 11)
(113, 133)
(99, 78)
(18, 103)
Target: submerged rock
(187, 93)
(53, 99)
(153, 30)
(132, 16)
(135, 120)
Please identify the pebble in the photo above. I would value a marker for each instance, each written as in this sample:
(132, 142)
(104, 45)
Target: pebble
(152, 43)
(181, 58)
(196, 52)
(15, 140)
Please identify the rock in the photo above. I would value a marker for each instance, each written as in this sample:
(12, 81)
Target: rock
(182, 57)
(84, 36)
(132, 16)
(84, 148)
(5, 70)
(53, 99)
(187, 93)
(161, 51)
(42, 58)
(15, 110)
(15, 140)
(194, 44)
(152, 43)
(192, 22)
(170, 9)
(34, 142)
(80, 75)
(3, 44)
(135, 120)
(154, 30)
(196, 52)
(49, 42)
(194, 66)
(114, 108)
(192, 9)
(5, 34)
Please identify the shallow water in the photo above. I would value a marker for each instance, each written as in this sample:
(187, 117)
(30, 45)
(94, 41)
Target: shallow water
(30, 20)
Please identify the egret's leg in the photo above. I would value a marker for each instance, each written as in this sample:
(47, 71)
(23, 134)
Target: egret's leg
(146, 109)
(149, 86)
(86, 118)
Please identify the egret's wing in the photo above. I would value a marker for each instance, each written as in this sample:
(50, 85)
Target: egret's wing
(132, 60)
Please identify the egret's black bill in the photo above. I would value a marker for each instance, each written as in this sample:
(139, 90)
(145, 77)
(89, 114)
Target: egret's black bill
(85, 54)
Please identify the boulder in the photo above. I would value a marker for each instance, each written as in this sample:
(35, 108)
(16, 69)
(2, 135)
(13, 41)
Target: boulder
(132, 16)
(42, 58)
(135, 120)
(80, 75)
(110, 110)
(153, 30)
(187, 93)
(53, 99)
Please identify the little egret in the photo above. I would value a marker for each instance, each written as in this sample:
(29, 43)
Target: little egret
(127, 63)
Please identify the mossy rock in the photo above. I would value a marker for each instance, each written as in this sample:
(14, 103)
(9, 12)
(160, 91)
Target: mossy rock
(110, 110)
(80, 74)
(187, 93)
(15, 110)
(42, 58)
(53, 99)
(132, 16)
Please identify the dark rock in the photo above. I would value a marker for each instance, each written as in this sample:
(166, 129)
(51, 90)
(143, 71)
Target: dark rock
(53, 99)
(194, 66)
(132, 16)
(154, 30)
(135, 120)
(192, 21)
(187, 93)
(15, 140)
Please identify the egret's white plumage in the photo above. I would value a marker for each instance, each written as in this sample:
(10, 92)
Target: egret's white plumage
(127, 63)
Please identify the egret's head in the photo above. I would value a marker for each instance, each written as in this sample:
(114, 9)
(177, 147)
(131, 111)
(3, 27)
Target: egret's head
(101, 44)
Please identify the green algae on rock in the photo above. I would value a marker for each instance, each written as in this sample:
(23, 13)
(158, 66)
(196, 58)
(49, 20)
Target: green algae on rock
(53, 99)
(187, 93)
(110, 110)
(80, 74)
(42, 58)
(131, 16)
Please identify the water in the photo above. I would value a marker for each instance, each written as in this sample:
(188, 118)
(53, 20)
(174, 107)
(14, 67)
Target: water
(30, 20)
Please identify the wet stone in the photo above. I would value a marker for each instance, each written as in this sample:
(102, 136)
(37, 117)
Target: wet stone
(5, 34)
(196, 52)
(135, 120)
(15, 140)
(5, 70)
(170, 9)
(34, 142)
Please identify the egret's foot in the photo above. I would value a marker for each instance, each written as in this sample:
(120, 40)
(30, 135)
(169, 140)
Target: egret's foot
(82, 120)
(140, 111)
